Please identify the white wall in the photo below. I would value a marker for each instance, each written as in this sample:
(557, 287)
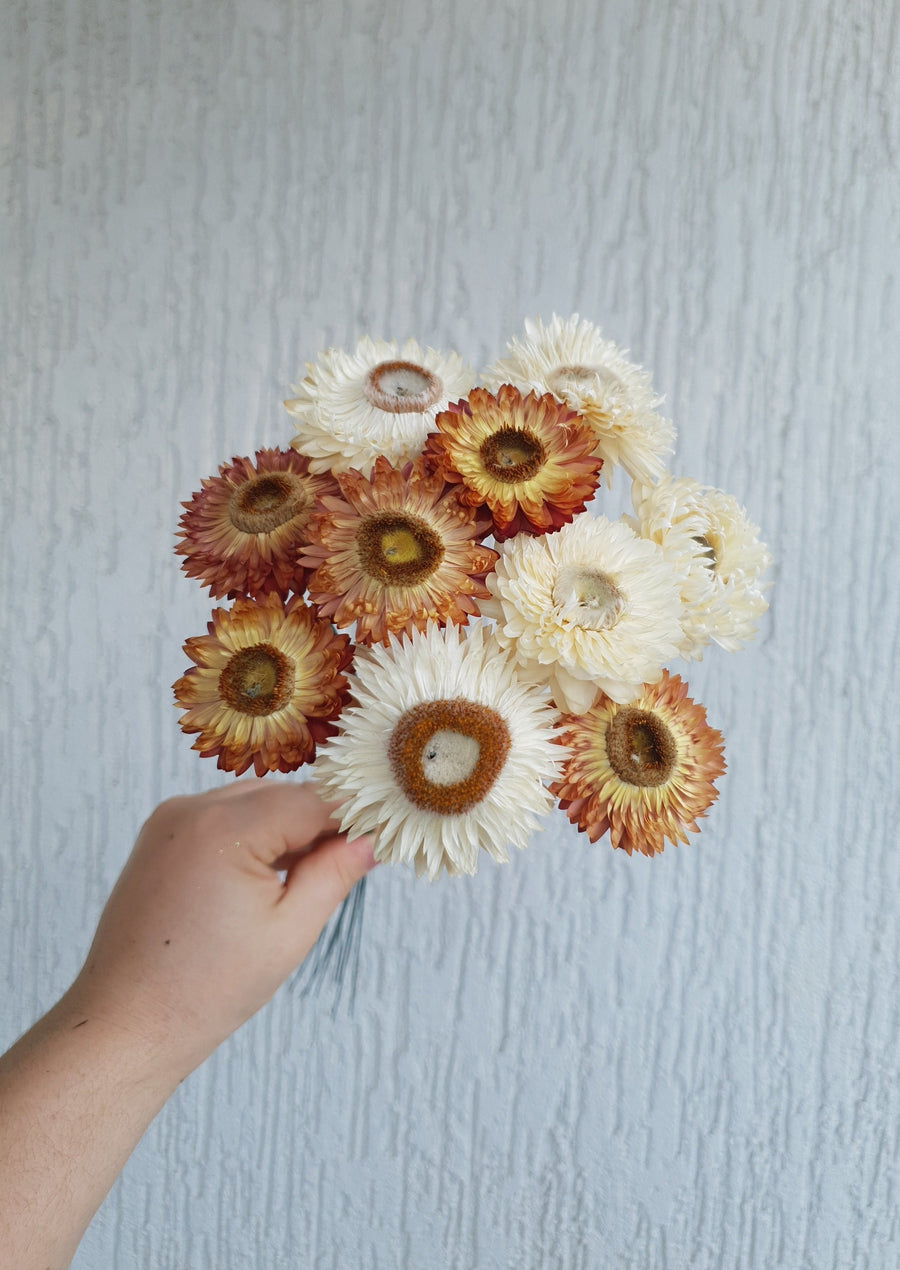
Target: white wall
(581, 1059)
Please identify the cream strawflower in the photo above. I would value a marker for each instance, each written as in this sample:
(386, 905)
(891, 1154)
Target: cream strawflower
(570, 359)
(715, 548)
(380, 399)
(588, 608)
(443, 753)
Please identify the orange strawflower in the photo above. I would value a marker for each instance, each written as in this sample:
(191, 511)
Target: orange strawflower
(528, 460)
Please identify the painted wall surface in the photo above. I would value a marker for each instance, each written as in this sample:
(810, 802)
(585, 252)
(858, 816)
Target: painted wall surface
(580, 1059)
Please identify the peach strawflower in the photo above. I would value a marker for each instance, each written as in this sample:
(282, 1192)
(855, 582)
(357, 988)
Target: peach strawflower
(394, 552)
(644, 771)
(266, 685)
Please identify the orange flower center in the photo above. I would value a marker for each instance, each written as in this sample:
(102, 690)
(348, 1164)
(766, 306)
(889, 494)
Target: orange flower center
(257, 680)
(512, 455)
(446, 755)
(266, 501)
(401, 387)
(397, 549)
(590, 597)
(641, 749)
(582, 379)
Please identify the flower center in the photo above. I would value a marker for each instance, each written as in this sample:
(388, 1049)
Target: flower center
(398, 550)
(257, 680)
(401, 387)
(640, 748)
(512, 455)
(587, 380)
(707, 552)
(591, 597)
(446, 755)
(267, 501)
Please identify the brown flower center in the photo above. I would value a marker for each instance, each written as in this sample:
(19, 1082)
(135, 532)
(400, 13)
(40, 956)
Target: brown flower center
(582, 379)
(397, 549)
(446, 755)
(640, 747)
(707, 552)
(512, 455)
(257, 680)
(401, 387)
(267, 501)
(591, 597)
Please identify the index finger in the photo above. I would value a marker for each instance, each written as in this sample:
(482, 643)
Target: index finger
(273, 820)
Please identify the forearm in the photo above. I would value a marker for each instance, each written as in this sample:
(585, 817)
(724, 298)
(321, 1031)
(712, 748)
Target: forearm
(222, 897)
(76, 1094)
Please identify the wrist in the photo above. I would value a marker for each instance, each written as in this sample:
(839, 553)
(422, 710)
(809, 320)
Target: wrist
(155, 1047)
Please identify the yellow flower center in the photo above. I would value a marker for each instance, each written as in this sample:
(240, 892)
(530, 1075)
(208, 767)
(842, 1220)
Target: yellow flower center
(512, 455)
(707, 551)
(257, 680)
(446, 755)
(401, 387)
(584, 380)
(266, 501)
(588, 596)
(398, 549)
(640, 747)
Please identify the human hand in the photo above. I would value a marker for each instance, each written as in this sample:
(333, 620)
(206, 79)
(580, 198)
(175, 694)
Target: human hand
(201, 929)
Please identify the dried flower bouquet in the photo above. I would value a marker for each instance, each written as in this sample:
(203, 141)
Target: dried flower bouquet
(509, 646)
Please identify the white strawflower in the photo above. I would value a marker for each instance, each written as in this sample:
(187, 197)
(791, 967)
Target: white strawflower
(443, 753)
(570, 359)
(588, 608)
(380, 399)
(715, 549)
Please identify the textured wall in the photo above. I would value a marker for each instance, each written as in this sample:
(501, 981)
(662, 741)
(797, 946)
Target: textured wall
(578, 1060)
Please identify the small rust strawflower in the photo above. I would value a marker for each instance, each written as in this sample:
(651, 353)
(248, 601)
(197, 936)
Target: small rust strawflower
(241, 532)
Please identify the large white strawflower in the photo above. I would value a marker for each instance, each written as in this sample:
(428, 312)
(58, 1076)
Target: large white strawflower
(590, 607)
(443, 753)
(715, 549)
(570, 359)
(380, 399)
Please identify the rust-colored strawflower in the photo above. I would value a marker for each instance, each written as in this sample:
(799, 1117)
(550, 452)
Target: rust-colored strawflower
(266, 685)
(528, 460)
(396, 551)
(241, 532)
(644, 771)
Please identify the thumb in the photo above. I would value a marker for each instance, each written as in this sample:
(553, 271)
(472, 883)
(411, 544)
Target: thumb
(323, 877)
